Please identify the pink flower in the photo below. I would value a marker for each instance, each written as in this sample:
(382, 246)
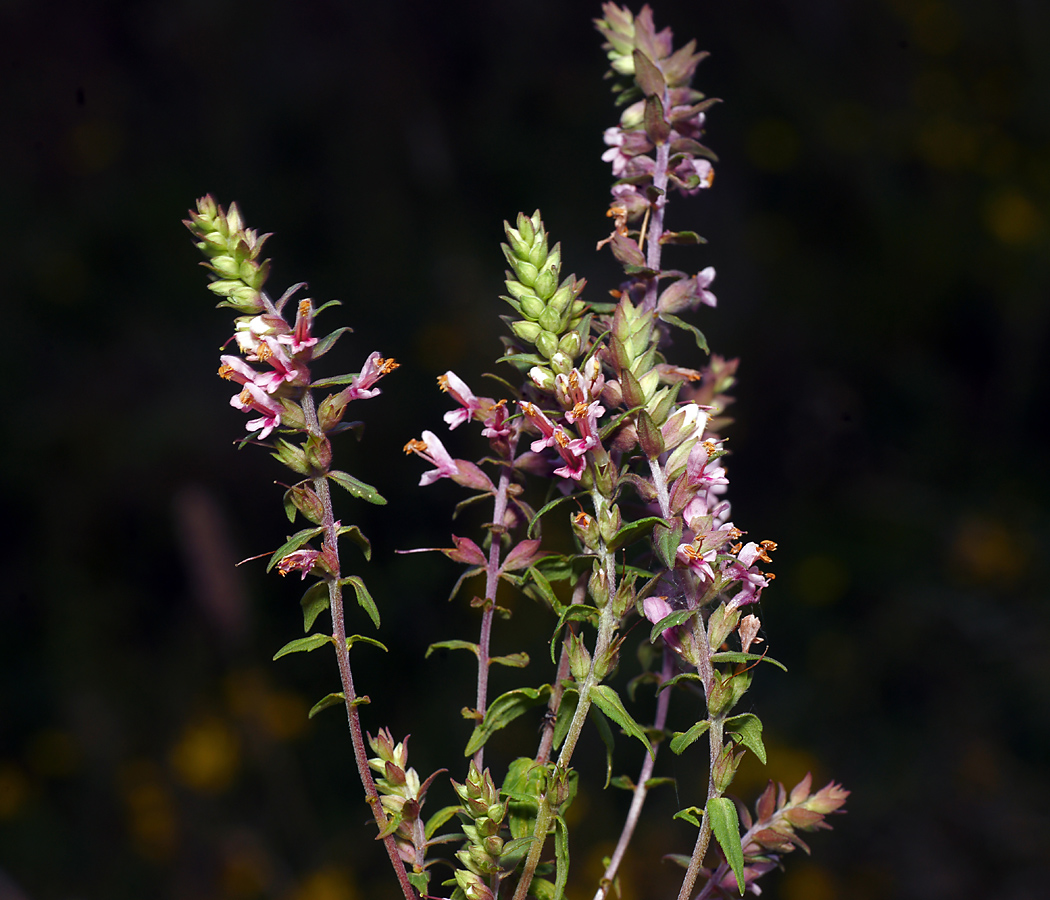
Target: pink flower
(434, 452)
(496, 421)
(255, 398)
(301, 339)
(285, 369)
(452, 384)
(571, 451)
(299, 561)
(375, 367)
(614, 138)
(703, 279)
(744, 570)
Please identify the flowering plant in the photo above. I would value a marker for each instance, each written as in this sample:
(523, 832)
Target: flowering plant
(599, 421)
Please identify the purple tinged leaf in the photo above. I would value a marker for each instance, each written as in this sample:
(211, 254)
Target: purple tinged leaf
(649, 78)
(692, 148)
(656, 127)
(522, 556)
(466, 551)
(626, 250)
(470, 476)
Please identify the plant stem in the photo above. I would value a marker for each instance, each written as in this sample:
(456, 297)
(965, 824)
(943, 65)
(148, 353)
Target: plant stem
(640, 789)
(656, 223)
(342, 652)
(543, 754)
(491, 583)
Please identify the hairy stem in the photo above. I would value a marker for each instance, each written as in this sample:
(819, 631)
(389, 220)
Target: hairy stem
(543, 754)
(491, 583)
(342, 652)
(640, 789)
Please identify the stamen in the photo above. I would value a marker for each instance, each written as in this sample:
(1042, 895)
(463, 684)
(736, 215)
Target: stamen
(443, 383)
(415, 446)
(386, 366)
(226, 371)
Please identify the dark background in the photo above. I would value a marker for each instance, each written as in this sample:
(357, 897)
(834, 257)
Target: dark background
(879, 226)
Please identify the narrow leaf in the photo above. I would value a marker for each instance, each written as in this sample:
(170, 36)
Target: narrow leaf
(521, 556)
(451, 645)
(364, 599)
(678, 617)
(576, 612)
(667, 541)
(292, 544)
(683, 739)
(701, 341)
(514, 660)
(504, 710)
(608, 701)
(304, 644)
(681, 237)
(747, 728)
(649, 78)
(726, 828)
(546, 508)
(326, 343)
(325, 702)
(439, 818)
(356, 487)
(561, 856)
(735, 656)
(602, 724)
(314, 602)
(632, 531)
(357, 537)
(656, 127)
(690, 815)
(359, 638)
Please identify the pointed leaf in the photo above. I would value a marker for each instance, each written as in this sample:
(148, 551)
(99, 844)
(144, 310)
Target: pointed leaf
(325, 702)
(632, 531)
(735, 656)
(701, 341)
(683, 739)
(451, 645)
(681, 237)
(656, 127)
(747, 728)
(356, 487)
(546, 508)
(576, 613)
(504, 710)
(726, 828)
(304, 644)
(326, 343)
(514, 660)
(561, 856)
(667, 541)
(649, 78)
(521, 556)
(689, 814)
(605, 732)
(314, 602)
(440, 818)
(292, 544)
(356, 537)
(359, 638)
(678, 617)
(608, 701)
(364, 599)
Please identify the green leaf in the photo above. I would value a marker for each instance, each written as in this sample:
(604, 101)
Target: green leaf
(440, 818)
(356, 487)
(683, 739)
(735, 656)
(747, 728)
(326, 343)
(504, 710)
(356, 537)
(683, 676)
(314, 602)
(632, 531)
(514, 660)
(566, 710)
(334, 381)
(726, 828)
(364, 599)
(689, 814)
(606, 734)
(522, 786)
(608, 701)
(544, 587)
(304, 644)
(451, 645)
(359, 638)
(659, 782)
(420, 881)
(667, 541)
(681, 237)
(577, 612)
(325, 702)
(678, 617)
(701, 341)
(561, 856)
(546, 508)
(292, 544)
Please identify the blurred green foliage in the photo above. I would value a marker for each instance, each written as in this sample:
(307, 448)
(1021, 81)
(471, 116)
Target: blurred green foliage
(879, 226)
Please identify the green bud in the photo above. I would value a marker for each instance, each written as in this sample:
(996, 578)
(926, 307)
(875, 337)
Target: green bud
(525, 271)
(554, 260)
(562, 297)
(516, 289)
(546, 343)
(547, 281)
(586, 529)
(527, 331)
(549, 320)
(526, 228)
(609, 522)
(579, 658)
(721, 625)
(598, 585)
(307, 502)
(537, 255)
(724, 769)
(608, 660)
(561, 363)
(542, 377)
(293, 457)
(318, 453)
(570, 344)
(533, 307)
(649, 382)
(663, 400)
(519, 246)
(649, 436)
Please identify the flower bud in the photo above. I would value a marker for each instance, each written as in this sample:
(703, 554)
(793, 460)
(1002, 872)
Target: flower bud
(598, 585)
(537, 254)
(724, 769)
(307, 502)
(549, 320)
(586, 529)
(525, 271)
(547, 344)
(721, 625)
(561, 363)
(532, 306)
(293, 457)
(579, 658)
(527, 331)
(546, 282)
(526, 227)
(318, 453)
(652, 442)
(562, 297)
(542, 377)
(570, 344)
